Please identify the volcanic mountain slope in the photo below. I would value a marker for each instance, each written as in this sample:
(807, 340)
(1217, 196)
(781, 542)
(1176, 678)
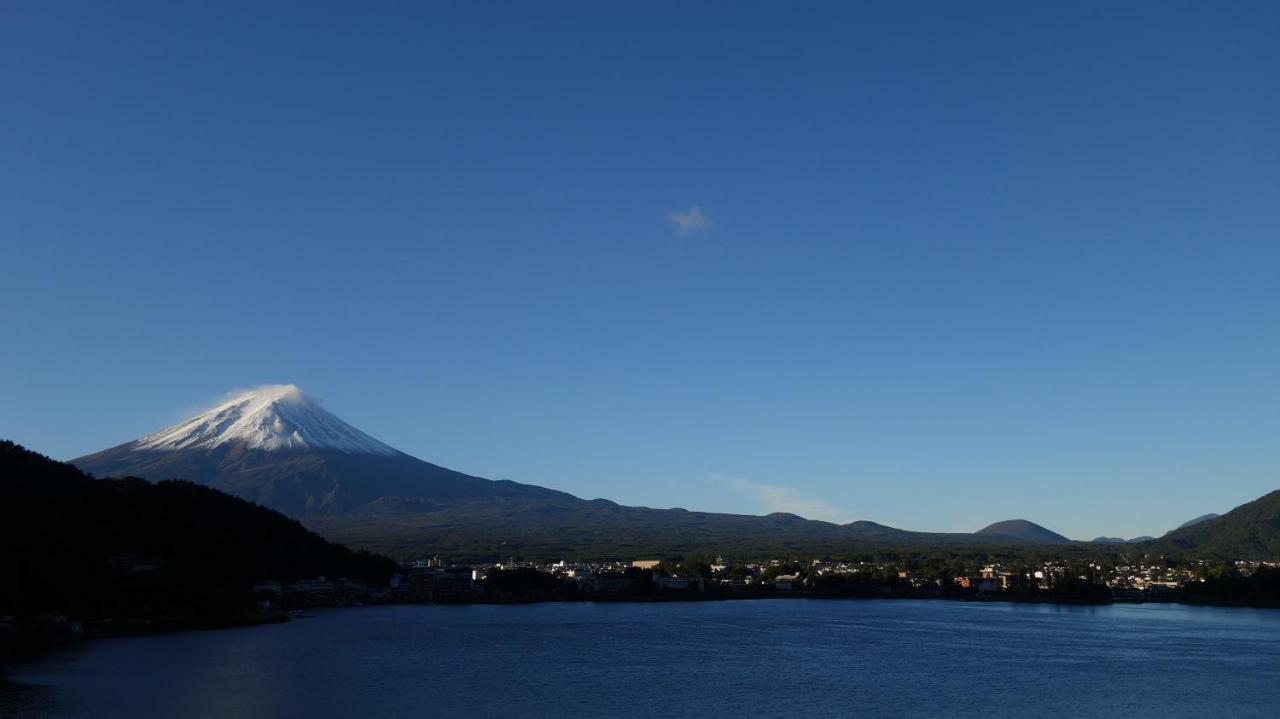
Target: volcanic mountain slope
(277, 447)
(1020, 531)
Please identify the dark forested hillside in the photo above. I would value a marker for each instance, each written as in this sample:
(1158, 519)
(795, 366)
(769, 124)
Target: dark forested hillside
(127, 547)
(1250, 531)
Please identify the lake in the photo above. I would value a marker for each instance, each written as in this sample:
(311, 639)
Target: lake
(811, 658)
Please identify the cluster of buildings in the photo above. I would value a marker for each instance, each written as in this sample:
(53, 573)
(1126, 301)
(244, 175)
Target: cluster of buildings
(432, 580)
(316, 592)
(436, 580)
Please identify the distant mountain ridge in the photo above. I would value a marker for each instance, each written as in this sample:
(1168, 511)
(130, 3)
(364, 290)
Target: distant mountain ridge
(1023, 532)
(277, 447)
(1197, 520)
(1148, 538)
(1119, 540)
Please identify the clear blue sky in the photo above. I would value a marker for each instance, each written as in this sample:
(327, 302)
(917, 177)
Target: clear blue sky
(949, 265)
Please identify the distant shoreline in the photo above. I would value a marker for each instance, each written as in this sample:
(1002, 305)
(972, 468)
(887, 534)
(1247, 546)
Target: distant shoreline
(837, 597)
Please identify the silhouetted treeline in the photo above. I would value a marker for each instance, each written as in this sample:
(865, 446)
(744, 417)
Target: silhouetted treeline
(1262, 588)
(98, 549)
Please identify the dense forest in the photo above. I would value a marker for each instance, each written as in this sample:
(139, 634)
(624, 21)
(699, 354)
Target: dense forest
(126, 548)
(1261, 588)
(1250, 531)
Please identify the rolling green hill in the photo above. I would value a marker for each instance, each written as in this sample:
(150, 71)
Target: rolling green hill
(1020, 531)
(1250, 531)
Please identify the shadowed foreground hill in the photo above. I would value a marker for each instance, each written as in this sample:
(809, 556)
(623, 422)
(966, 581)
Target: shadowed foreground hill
(1250, 531)
(127, 547)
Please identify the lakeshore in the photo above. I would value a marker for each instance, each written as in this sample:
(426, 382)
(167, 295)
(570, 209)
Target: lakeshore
(25, 642)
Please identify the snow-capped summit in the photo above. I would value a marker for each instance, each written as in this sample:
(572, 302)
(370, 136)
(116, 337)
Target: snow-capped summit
(271, 417)
(275, 446)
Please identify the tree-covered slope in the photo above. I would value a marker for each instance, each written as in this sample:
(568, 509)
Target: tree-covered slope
(1020, 531)
(599, 529)
(101, 548)
(1250, 531)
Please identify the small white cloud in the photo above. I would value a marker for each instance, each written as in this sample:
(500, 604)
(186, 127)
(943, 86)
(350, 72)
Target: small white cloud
(777, 498)
(689, 222)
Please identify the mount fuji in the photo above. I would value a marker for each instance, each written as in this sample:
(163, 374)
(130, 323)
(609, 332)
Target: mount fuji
(274, 417)
(276, 446)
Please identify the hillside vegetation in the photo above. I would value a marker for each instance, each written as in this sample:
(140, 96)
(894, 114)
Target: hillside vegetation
(127, 547)
(1250, 531)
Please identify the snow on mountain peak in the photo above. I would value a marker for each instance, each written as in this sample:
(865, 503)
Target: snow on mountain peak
(271, 417)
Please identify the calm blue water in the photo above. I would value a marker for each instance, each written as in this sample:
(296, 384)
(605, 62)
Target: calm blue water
(714, 659)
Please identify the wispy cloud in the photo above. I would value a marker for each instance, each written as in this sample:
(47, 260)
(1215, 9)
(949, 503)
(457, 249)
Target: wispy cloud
(689, 222)
(779, 498)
